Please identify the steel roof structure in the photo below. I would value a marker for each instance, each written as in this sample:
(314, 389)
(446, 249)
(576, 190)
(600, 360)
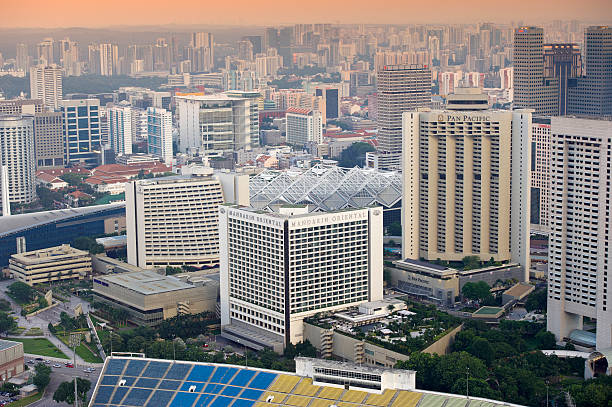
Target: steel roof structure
(326, 188)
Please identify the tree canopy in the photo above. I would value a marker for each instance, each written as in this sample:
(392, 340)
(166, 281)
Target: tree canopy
(42, 376)
(21, 292)
(65, 391)
(476, 291)
(355, 155)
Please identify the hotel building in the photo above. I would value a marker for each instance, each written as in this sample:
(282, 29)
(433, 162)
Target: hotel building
(279, 268)
(579, 260)
(303, 126)
(466, 185)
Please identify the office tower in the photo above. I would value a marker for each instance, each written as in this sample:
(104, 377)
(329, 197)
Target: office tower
(332, 101)
(579, 242)
(44, 52)
(540, 174)
(532, 90)
(46, 84)
(400, 88)
(23, 58)
(120, 128)
(285, 40)
(255, 104)
(562, 61)
(82, 131)
(466, 184)
(17, 157)
(592, 95)
(215, 124)
(109, 58)
(257, 42)
(159, 133)
(49, 140)
(174, 221)
(272, 38)
(273, 276)
(203, 49)
(303, 126)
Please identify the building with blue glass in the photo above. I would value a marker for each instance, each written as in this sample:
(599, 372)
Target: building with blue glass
(39, 230)
(82, 131)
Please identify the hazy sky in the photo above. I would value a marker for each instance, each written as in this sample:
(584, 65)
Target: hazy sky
(83, 13)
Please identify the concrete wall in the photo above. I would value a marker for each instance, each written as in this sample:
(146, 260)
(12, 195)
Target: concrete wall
(11, 361)
(443, 345)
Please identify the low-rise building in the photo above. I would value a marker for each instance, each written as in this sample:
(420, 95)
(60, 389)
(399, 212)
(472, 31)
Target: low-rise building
(11, 359)
(50, 181)
(51, 264)
(151, 298)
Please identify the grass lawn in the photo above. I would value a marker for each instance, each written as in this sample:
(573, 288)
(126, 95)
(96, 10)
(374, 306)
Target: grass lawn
(40, 346)
(83, 351)
(26, 400)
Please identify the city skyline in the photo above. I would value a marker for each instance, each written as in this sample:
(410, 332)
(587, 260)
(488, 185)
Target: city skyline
(30, 14)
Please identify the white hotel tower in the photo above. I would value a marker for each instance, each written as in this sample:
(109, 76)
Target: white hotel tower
(279, 268)
(579, 261)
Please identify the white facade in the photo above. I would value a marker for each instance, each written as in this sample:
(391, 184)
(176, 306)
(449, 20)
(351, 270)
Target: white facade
(173, 221)
(579, 273)
(540, 174)
(279, 268)
(159, 133)
(466, 185)
(46, 84)
(17, 157)
(215, 124)
(120, 129)
(109, 56)
(303, 126)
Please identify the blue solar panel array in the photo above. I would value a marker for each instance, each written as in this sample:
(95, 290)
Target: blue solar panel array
(145, 383)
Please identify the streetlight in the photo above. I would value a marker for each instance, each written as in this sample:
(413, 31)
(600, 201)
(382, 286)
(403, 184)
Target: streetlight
(75, 340)
(547, 393)
(467, 382)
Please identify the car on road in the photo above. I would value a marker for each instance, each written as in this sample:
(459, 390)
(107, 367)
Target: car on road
(56, 365)
(39, 358)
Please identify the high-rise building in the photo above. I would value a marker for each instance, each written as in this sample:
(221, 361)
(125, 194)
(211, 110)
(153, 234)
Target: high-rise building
(109, 59)
(579, 272)
(466, 185)
(255, 105)
(93, 61)
(120, 128)
(23, 57)
(17, 156)
(562, 61)
(49, 140)
(331, 99)
(540, 174)
(215, 124)
(21, 106)
(273, 276)
(46, 84)
(82, 131)
(69, 57)
(304, 126)
(592, 95)
(203, 52)
(44, 51)
(400, 88)
(174, 220)
(532, 90)
(257, 41)
(159, 133)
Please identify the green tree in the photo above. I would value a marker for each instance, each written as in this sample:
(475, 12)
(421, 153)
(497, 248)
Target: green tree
(42, 376)
(536, 301)
(471, 262)
(21, 292)
(354, 155)
(546, 340)
(7, 323)
(65, 391)
(481, 348)
(395, 229)
(476, 291)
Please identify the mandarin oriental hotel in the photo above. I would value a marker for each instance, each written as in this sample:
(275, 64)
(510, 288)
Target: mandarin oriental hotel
(279, 268)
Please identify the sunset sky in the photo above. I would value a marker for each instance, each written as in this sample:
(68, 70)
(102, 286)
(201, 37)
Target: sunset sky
(70, 13)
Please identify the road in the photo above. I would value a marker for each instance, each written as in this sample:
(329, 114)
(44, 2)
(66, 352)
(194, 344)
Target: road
(60, 375)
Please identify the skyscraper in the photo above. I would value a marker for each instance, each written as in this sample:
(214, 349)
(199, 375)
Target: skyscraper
(303, 126)
(82, 131)
(400, 88)
(109, 58)
(562, 61)
(532, 90)
(593, 93)
(23, 57)
(46, 84)
(466, 184)
(44, 51)
(159, 133)
(49, 140)
(279, 268)
(120, 128)
(203, 52)
(579, 269)
(540, 174)
(17, 156)
(69, 57)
